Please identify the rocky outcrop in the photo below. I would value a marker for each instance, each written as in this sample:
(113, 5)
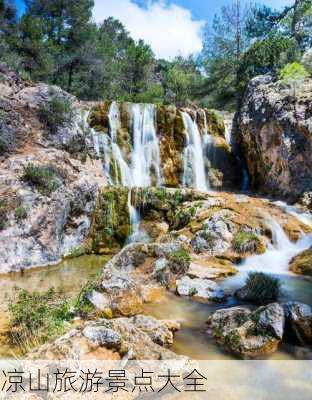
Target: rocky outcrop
(275, 134)
(299, 322)
(48, 214)
(249, 334)
(138, 338)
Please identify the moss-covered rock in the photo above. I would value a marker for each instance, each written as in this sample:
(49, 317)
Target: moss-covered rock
(98, 117)
(172, 139)
(215, 123)
(111, 221)
(302, 263)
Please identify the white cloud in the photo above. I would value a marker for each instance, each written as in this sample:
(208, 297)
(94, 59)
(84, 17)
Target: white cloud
(168, 28)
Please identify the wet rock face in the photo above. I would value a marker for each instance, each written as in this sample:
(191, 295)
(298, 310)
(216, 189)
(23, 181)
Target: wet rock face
(249, 334)
(111, 221)
(275, 123)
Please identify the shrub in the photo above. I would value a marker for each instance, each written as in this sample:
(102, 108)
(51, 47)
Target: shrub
(179, 261)
(82, 304)
(246, 242)
(57, 112)
(20, 213)
(43, 177)
(35, 317)
(293, 72)
(260, 288)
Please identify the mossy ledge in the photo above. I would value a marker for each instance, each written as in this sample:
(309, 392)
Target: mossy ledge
(110, 225)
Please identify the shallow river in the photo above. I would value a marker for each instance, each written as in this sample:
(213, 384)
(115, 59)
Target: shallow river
(191, 340)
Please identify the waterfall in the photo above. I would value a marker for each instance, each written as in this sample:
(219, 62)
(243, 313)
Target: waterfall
(142, 167)
(145, 159)
(279, 253)
(193, 158)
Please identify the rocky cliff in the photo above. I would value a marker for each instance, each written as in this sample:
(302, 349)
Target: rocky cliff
(275, 135)
(49, 180)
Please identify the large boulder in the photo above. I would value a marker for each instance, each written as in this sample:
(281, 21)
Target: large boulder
(275, 126)
(249, 334)
(299, 321)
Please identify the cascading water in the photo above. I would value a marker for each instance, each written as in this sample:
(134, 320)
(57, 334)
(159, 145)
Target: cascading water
(143, 167)
(193, 158)
(304, 217)
(279, 253)
(145, 159)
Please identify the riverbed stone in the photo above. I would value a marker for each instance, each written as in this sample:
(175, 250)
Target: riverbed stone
(102, 336)
(99, 300)
(160, 331)
(249, 334)
(200, 288)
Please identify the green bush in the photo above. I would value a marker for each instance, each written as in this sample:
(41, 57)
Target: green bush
(57, 112)
(35, 317)
(44, 177)
(82, 304)
(246, 242)
(20, 213)
(260, 288)
(293, 72)
(179, 261)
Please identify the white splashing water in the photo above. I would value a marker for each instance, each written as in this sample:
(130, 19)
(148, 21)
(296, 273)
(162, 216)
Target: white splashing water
(278, 255)
(194, 174)
(145, 158)
(302, 216)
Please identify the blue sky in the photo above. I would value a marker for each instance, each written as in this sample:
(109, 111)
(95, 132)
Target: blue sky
(171, 27)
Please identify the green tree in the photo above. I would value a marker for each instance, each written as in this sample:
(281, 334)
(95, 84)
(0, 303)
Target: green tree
(264, 56)
(294, 21)
(66, 28)
(8, 32)
(224, 44)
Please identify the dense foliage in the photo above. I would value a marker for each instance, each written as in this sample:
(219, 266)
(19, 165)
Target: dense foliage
(58, 42)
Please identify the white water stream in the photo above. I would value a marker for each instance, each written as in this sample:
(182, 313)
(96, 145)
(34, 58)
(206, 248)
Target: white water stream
(278, 255)
(194, 174)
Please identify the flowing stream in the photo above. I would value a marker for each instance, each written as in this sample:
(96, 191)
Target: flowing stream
(191, 340)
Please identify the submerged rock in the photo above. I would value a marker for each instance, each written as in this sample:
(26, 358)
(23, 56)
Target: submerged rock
(246, 333)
